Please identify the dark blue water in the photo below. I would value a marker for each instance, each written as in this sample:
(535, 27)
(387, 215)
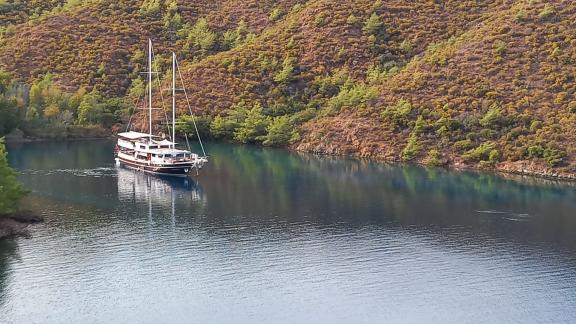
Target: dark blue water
(268, 236)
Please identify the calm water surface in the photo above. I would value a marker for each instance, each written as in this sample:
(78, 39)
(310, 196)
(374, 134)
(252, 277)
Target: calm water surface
(268, 236)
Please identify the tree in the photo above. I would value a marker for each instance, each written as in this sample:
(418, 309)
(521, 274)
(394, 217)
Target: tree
(52, 111)
(150, 7)
(90, 109)
(373, 26)
(172, 19)
(8, 115)
(185, 125)
(200, 38)
(254, 126)
(281, 132)
(137, 89)
(225, 126)
(11, 191)
(5, 81)
(287, 73)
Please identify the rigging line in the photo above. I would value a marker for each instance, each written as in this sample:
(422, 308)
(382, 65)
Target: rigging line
(190, 109)
(132, 114)
(160, 91)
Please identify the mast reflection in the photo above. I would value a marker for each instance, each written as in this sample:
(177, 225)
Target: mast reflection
(162, 192)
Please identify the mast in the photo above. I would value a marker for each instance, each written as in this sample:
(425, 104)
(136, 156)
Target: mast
(174, 99)
(150, 88)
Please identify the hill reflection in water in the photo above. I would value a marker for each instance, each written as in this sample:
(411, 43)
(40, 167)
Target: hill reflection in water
(266, 235)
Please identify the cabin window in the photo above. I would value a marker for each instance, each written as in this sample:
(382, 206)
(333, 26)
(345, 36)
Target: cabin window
(153, 146)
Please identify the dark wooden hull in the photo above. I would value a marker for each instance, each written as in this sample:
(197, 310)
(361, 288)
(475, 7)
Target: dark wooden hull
(182, 169)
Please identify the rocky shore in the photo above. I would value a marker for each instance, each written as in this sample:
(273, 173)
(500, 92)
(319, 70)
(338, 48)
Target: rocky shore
(17, 224)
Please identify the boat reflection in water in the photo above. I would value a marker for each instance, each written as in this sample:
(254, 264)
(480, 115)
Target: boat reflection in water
(159, 193)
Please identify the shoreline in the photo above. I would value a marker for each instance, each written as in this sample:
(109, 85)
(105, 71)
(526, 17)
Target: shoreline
(16, 225)
(520, 168)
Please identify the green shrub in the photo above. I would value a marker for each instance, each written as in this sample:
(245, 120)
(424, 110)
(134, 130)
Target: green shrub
(373, 25)
(535, 151)
(276, 14)
(464, 145)
(434, 158)
(224, 127)
(281, 132)
(287, 73)
(547, 11)
(500, 48)
(535, 125)
(493, 117)
(253, 128)
(185, 125)
(554, 157)
(485, 152)
(399, 112)
(352, 20)
(420, 126)
(11, 191)
(352, 95)
(411, 149)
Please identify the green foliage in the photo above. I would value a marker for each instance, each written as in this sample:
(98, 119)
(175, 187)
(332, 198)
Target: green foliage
(11, 191)
(493, 117)
(253, 127)
(412, 148)
(236, 37)
(8, 115)
(434, 158)
(281, 132)
(150, 7)
(90, 109)
(373, 25)
(464, 145)
(224, 127)
(320, 19)
(172, 21)
(352, 20)
(499, 48)
(200, 39)
(486, 152)
(572, 107)
(287, 73)
(547, 11)
(185, 125)
(535, 151)
(438, 53)
(356, 95)
(399, 112)
(137, 89)
(330, 85)
(276, 14)
(420, 126)
(377, 74)
(554, 157)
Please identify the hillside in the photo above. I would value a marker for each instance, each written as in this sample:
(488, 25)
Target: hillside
(486, 84)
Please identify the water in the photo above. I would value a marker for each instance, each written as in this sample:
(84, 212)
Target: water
(268, 236)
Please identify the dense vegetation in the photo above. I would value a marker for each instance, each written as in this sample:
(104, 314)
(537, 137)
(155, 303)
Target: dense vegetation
(11, 192)
(471, 83)
(43, 109)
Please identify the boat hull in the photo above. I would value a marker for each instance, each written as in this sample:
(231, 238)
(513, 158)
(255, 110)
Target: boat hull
(182, 169)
